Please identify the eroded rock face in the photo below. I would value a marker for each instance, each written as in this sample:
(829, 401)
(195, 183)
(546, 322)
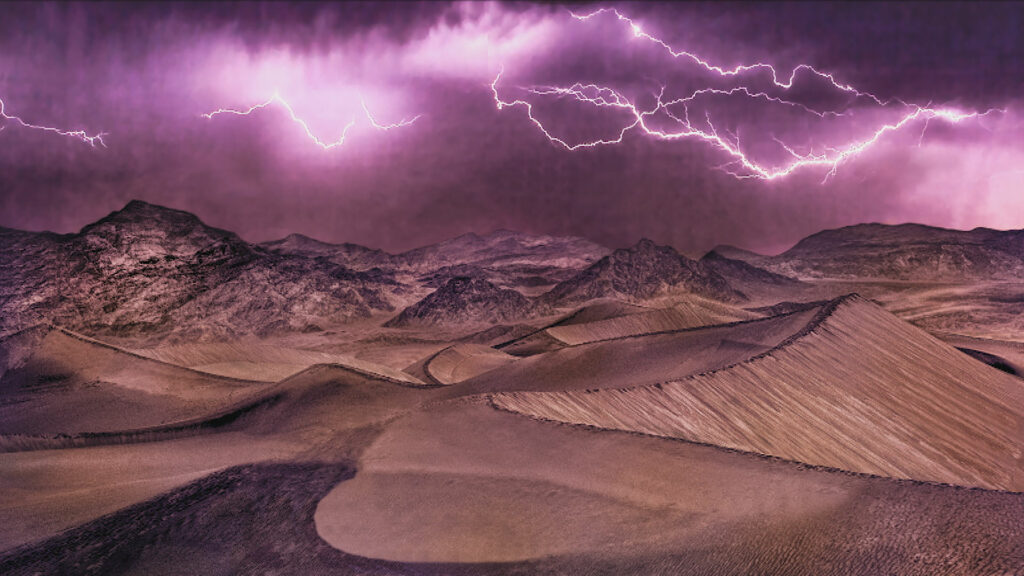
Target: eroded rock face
(643, 271)
(467, 300)
(153, 272)
(346, 254)
(149, 270)
(745, 276)
(505, 249)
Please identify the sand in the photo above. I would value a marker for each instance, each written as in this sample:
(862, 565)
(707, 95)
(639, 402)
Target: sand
(354, 466)
(857, 389)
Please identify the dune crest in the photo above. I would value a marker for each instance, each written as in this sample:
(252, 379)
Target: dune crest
(857, 389)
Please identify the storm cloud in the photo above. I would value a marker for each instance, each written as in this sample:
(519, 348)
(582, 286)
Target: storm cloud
(144, 74)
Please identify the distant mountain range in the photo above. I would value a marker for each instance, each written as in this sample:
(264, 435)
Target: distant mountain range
(153, 272)
(911, 252)
(147, 270)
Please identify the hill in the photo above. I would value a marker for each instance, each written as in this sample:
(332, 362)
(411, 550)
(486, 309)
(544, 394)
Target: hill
(67, 383)
(645, 270)
(149, 271)
(904, 252)
(467, 301)
(154, 273)
(750, 279)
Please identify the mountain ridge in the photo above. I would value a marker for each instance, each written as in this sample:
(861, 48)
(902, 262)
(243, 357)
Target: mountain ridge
(644, 270)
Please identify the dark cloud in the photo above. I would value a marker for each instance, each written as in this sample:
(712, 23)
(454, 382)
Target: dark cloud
(145, 72)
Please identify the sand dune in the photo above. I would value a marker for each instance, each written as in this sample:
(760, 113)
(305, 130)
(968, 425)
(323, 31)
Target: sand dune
(857, 389)
(1007, 355)
(324, 396)
(258, 361)
(609, 320)
(686, 314)
(332, 397)
(463, 361)
(68, 383)
(459, 482)
(462, 483)
(640, 359)
(548, 408)
(601, 309)
(52, 490)
(90, 392)
(326, 411)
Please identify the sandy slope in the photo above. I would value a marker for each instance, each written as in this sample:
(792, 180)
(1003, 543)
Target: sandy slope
(52, 490)
(462, 482)
(325, 411)
(443, 476)
(257, 360)
(470, 484)
(858, 390)
(68, 383)
(1010, 355)
(61, 382)
(686, 314)
(463, 361)
(265, 515)
(601, 309)
(640, 359)
(609, 319)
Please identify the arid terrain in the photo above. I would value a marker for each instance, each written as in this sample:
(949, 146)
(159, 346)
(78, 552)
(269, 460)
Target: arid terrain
(177, 400)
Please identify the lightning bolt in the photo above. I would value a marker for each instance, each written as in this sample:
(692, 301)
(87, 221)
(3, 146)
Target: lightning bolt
(325, 145)
(277, 99)
(638, 32)
(740, 165)
(615, 100)
(92, 140)
(386, 127)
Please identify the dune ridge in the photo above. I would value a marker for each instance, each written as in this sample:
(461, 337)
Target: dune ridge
(207, 403)
(691, 313)
(679, 316)
(47, 327)
(230, 417)
(460, 362)
(856, 389)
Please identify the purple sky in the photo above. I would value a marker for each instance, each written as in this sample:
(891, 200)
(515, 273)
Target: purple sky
(145, 74)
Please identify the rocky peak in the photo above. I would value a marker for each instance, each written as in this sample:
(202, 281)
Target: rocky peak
(642, 271)
(141, 232)
(465, 300)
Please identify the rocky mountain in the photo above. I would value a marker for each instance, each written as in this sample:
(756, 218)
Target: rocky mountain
(350, 255)
(507, 259)
(152, 271)
(911, 252)
(645, 270)
(155, 273)
(468, 301)
(746, 277)
(735, 253)
(505, 249)
(438, 278)
(503, 257)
